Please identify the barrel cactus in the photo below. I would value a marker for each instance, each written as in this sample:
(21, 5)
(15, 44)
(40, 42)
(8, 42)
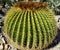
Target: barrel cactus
(30, 25)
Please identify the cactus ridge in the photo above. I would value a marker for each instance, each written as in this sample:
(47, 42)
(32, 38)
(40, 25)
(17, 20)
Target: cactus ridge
(29, 29)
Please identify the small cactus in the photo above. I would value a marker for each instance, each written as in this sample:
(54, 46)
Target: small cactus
(30, 25)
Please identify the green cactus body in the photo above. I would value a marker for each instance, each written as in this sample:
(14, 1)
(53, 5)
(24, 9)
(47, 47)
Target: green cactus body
(31, 27)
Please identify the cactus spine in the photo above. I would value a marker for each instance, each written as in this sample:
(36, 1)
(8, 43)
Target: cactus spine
(30, 27)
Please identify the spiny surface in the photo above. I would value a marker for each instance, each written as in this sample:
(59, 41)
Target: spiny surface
(30, 30)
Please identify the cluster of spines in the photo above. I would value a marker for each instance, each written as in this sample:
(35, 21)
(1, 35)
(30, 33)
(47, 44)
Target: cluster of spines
(30, 28)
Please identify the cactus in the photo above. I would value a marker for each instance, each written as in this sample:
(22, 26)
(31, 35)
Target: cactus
(30, 25)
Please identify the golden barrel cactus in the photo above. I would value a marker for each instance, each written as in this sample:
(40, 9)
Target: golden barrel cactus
(30, 25)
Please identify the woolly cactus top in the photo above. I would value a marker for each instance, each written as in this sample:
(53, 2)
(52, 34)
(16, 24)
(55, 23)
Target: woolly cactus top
(30, 5)
(30, 26)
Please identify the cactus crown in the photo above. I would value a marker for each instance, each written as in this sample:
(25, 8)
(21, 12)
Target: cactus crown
(30, 30)
(30, 5)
